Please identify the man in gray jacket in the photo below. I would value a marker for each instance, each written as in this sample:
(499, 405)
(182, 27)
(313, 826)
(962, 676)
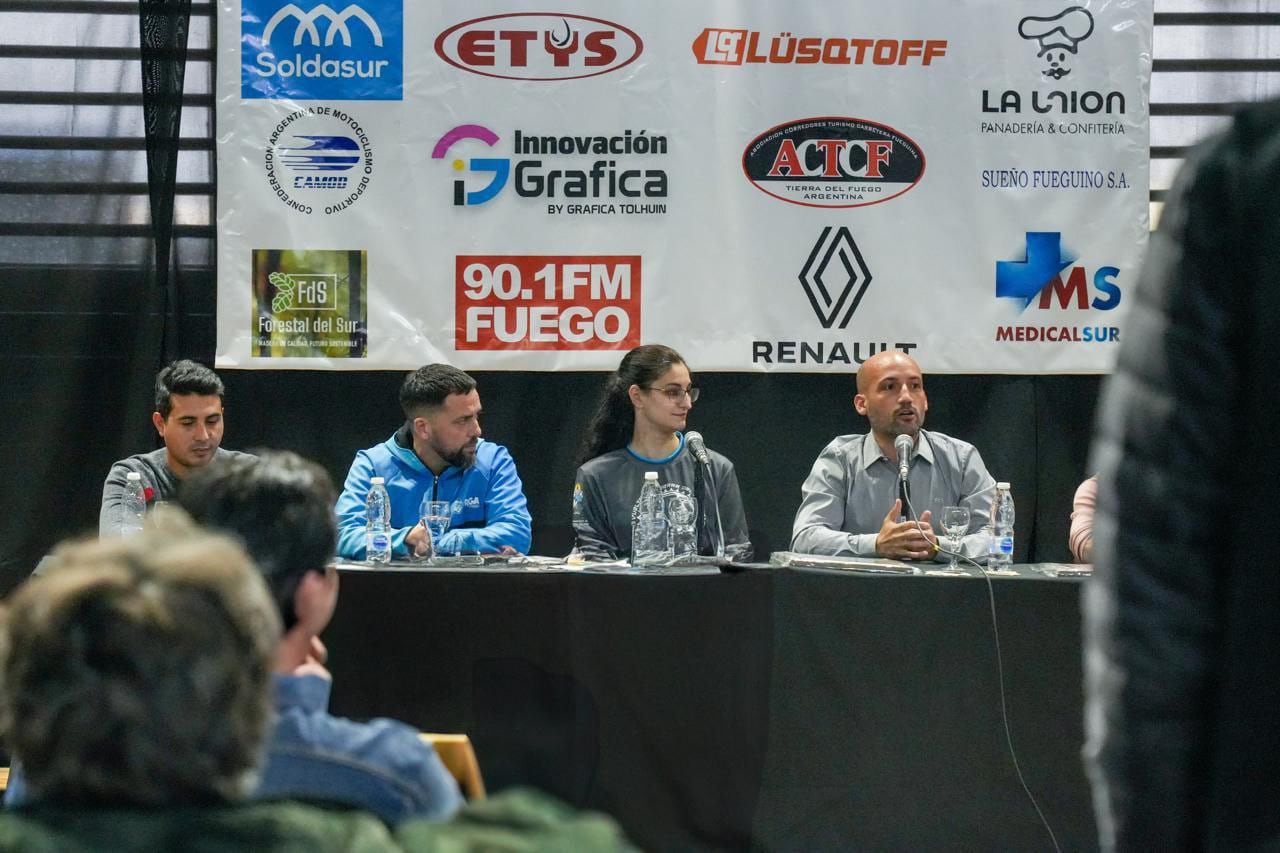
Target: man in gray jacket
(188, 417)
(852, 503)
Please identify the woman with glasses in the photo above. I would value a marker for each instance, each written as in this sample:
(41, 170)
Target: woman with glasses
(639, 427)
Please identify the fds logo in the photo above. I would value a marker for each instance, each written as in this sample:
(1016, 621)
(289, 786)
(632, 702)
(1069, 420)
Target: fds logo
(1039, 274)
(315, 52)
(304, 291)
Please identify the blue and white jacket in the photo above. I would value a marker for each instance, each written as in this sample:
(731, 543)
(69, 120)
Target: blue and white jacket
(489, 507)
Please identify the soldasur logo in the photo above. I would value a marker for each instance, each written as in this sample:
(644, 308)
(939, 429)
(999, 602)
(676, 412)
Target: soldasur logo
(306, 28)
(314, 51)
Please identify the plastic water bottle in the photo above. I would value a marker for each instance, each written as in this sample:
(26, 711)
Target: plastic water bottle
(649, 543)
(377, 525)
(134, 506)
(1002, 514)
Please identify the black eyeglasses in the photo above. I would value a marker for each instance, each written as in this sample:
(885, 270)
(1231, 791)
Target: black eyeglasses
(676, 394)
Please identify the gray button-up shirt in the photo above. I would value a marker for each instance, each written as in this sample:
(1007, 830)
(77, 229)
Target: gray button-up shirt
(853, 486)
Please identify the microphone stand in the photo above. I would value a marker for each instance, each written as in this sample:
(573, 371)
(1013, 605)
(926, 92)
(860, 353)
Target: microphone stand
(718, 539)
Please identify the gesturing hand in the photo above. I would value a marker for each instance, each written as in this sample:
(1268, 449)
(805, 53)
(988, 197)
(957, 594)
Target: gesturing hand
(904, 540)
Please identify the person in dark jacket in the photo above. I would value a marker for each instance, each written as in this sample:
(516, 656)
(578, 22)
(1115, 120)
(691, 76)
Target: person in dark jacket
(280, 506)
(134, 678)
(1183, 611)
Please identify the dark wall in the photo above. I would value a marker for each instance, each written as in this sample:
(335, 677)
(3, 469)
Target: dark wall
(79, 350)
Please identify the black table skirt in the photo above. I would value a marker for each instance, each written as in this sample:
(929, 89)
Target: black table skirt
(783, 709)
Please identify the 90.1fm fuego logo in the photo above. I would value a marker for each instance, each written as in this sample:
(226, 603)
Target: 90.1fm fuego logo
(547, 302)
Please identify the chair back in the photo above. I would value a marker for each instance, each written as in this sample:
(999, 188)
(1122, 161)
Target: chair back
(459, 759)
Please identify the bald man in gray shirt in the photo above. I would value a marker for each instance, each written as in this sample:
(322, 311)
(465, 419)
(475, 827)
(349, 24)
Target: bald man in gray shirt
(851, 501)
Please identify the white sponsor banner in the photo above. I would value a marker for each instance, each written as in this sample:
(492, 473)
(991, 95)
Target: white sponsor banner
(763, 187)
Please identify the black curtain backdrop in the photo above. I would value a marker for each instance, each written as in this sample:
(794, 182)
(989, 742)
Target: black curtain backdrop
(77, 397)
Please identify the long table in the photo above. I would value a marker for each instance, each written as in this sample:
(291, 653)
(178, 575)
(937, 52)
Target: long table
(776, 709)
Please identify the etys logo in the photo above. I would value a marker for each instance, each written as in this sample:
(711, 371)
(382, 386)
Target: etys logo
(538, 46)
(1057, 35)
(314, 51)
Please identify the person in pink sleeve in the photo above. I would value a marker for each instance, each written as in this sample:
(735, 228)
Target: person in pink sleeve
(1081, 539)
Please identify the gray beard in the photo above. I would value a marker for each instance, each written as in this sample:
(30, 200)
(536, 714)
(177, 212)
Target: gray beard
(461, 459)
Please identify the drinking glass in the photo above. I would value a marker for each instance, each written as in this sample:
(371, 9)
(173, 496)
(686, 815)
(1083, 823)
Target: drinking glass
(436, 517)
(955, 520)
(682, 513)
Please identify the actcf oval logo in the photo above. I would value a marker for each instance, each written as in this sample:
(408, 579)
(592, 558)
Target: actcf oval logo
(833, 162)
(538, 46)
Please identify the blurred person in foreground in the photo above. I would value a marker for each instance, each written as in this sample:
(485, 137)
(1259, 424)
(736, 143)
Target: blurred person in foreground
(134, 681)
(1182, 614)
(281, 507)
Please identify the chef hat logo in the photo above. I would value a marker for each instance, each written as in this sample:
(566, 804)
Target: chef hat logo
(1063, 31)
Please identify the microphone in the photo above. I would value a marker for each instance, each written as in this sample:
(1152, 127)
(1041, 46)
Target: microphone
(903, 444)
(697, 447)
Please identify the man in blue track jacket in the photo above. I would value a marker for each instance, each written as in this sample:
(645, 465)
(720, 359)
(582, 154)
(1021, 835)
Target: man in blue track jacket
(438, 455)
